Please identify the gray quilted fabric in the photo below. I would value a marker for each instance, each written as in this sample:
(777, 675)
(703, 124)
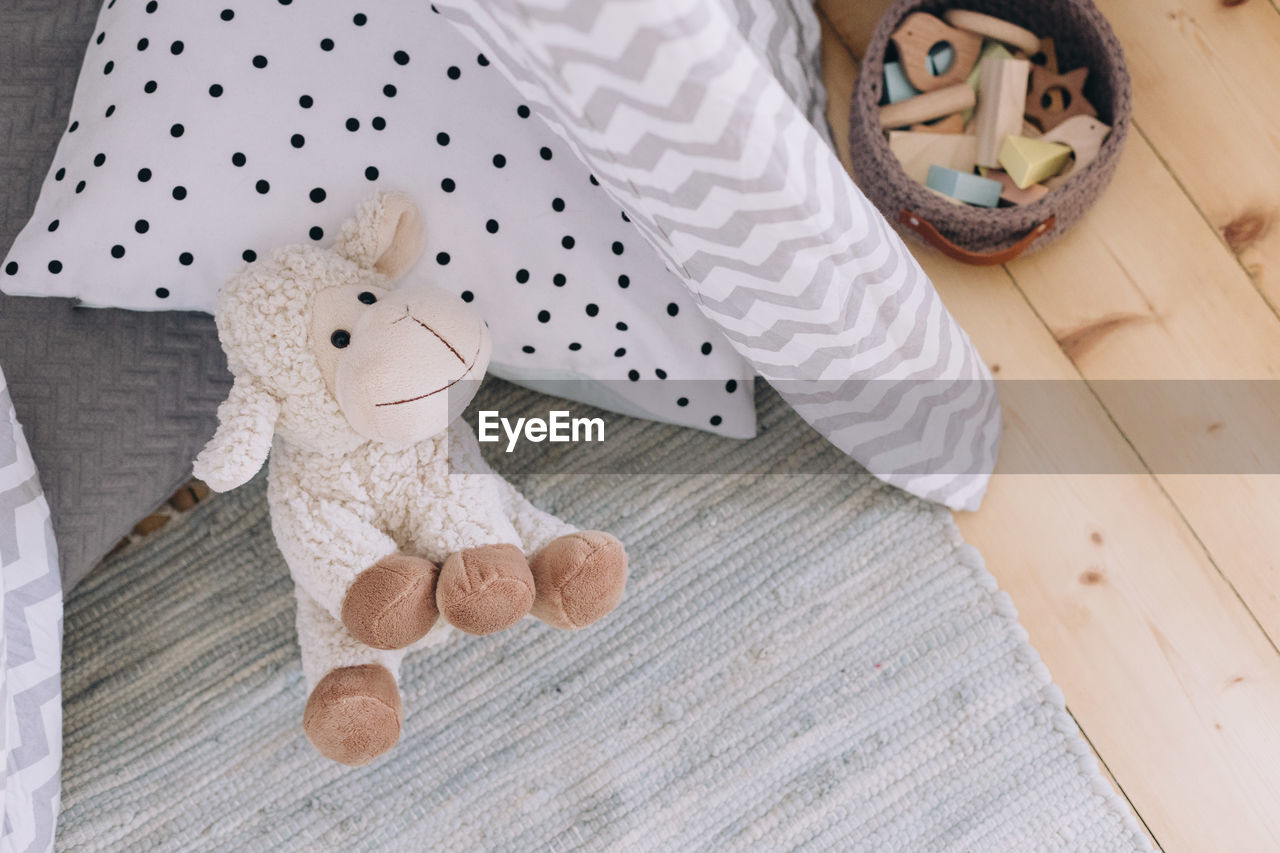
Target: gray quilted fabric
(114, 404)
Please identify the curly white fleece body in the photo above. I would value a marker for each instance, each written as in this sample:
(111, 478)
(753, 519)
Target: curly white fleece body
(339, 501)
(333, 517)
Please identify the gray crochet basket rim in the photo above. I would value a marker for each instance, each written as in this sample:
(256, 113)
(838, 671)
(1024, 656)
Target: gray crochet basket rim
(1082, 36)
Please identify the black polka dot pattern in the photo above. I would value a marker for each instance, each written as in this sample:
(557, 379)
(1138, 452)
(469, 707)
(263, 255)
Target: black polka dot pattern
(178, 175)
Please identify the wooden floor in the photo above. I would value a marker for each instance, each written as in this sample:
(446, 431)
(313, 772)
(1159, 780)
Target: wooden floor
(1154, 599)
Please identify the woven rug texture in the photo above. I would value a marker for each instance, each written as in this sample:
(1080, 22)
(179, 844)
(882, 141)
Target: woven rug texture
(801, 662)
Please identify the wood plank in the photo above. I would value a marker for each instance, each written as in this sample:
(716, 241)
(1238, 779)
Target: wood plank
(1139, 629)
(1206, 77)
(1146, 640)
(853, 21)
(1129, 300)
(838, 64)
(1106, 772)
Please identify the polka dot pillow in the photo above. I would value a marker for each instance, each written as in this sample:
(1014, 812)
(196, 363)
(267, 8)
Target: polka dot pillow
(202, 134)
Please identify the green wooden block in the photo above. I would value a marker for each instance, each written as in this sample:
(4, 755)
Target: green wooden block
(1030, 161)
(964, 187)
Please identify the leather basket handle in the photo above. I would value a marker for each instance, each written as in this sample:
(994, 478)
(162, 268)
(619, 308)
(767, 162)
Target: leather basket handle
(934, 238)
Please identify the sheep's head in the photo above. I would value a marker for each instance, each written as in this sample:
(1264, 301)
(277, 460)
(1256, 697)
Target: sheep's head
(328, 352)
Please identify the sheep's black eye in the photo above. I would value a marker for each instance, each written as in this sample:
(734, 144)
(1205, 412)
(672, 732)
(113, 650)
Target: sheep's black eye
(340, 338)
(367, 298)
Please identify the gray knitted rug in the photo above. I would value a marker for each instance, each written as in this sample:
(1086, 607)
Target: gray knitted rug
(801, 662)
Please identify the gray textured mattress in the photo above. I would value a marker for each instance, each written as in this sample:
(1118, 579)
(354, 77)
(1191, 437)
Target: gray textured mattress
(114, 404)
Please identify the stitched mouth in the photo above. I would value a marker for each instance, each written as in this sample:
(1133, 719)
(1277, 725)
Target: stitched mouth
(441, 388)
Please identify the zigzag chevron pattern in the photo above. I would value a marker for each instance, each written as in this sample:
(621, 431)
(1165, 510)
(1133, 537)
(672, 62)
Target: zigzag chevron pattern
(30, 647)
(694, 136)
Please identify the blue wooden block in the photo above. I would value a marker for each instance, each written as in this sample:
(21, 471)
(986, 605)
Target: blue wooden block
(964, 187)
(940, 58)
(896, 85)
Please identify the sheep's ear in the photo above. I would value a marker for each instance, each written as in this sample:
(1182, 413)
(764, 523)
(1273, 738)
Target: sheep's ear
(385, 235)
(246, 425)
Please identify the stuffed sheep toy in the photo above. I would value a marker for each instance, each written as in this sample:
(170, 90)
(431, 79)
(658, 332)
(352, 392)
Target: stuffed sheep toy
(391, 523)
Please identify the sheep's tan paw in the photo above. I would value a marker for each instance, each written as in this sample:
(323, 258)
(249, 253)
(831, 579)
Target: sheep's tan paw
(353, 715)
(486, 589)
(579, 578)
(392, 604)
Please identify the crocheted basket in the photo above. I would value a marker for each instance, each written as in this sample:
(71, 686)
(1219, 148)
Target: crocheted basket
(976, 235)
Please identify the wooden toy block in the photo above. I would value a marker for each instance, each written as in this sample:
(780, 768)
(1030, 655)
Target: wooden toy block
(928, 106)
(996, 29)
(1047, 58)
(1085, 135)
(964, 186)
(1030, 161)
(1071, 87)
(990, 50)
(896, 85)
(953, 123)
(917, 35)
(1011, 192)
(918, 151)
(948, 199)
(1004, 94)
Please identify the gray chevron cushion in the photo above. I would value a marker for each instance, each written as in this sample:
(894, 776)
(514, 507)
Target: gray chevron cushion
(700, 141)
(30, 648)
(115, 404)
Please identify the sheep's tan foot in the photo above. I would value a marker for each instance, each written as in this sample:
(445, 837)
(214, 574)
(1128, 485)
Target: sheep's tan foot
(353, 715)
(579, 578)
(392, 604)
(486, 589)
